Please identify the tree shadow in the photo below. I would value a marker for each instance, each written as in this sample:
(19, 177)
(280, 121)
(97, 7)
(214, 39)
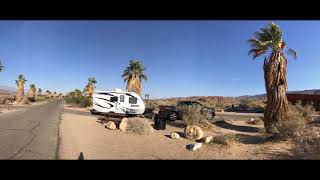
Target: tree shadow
(178, 123)
(103, 120)
(249, 139)
(81, 156)
(226, 125)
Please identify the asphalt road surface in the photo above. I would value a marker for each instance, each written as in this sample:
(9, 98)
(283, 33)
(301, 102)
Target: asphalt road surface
(31, 132)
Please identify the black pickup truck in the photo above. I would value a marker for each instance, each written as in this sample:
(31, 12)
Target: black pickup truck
(173, 112)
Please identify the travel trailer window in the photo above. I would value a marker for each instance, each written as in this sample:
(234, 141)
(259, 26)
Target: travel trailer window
(122, 98)
(114, 99)
(133, 100)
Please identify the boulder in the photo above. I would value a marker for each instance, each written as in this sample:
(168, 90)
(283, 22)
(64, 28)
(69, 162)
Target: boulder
(194, 147)
(111, 125)
(123, 124)
(174, 135)
(254, 121)
(208, 139)
(193, 132)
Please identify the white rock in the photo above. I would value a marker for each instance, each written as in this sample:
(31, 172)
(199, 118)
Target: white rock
(196, 146)
(111, 125)
(123, 124)
(208, 139)
(174, 135)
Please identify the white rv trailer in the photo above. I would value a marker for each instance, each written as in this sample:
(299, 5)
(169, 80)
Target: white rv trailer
(117, 102)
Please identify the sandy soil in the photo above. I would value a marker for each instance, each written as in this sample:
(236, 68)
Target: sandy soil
(86, 134)
(75, 108)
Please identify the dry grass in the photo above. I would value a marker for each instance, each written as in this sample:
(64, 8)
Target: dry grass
(139, 126)
(192, 116)
(4, 99)
(298, 128)
(224, 139)
(297, 118)
(307, 144)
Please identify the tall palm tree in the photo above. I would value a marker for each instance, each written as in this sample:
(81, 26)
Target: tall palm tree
(20, 91)
(48, 93)
(268, 41)
(39, 91)
(32, 92)
(133, 74)
(89, 89)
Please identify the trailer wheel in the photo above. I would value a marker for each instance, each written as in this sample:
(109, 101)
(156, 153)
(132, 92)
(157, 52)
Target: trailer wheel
(93, 112)
(173, 116)
(210, 115)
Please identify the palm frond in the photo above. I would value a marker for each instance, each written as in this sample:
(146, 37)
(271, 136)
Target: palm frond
(293, 53)
(257, 52)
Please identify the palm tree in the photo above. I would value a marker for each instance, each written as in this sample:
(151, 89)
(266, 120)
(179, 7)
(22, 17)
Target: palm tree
(39, 91)
(32, 92)
(133, 75)
(20, 91)
(1, 66)
(48, 93)
(89, 89)
(269, 41)
(77, 93)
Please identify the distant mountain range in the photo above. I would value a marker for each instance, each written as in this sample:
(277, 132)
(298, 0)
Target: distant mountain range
(258, 96)
(11, 90)
(7, 89)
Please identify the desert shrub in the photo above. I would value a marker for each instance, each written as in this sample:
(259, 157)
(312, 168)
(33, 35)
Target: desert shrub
(25, 100)
(85, 101)
(41, 98)
(246, 103)
(77, 98)
(192, 115)
(7, 98)
(306, 144)
(2, 100)
(139, 126)
(296, 120)
(224, 139)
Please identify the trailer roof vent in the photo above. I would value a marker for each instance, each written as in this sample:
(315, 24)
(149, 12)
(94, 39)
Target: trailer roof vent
(117, 90)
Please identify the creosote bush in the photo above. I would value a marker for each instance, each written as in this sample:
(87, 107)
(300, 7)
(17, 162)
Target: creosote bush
(192, 116)
(223, 139)
(76, 97)
(139, 126)
(297, 118)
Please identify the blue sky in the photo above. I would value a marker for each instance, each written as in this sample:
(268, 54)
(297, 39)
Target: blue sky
(183, 58)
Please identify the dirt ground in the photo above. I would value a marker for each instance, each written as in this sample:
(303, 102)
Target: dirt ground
(82, 132)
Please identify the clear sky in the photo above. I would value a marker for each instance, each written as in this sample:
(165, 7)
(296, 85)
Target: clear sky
(183, 58)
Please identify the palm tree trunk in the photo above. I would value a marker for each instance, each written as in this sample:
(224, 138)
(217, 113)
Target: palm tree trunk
(31, 95)
(134, 85)
(276, 87)
(20, 93)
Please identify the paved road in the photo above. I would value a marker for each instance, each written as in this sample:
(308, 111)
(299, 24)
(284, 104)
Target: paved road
(237, 116)
(31, 133)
